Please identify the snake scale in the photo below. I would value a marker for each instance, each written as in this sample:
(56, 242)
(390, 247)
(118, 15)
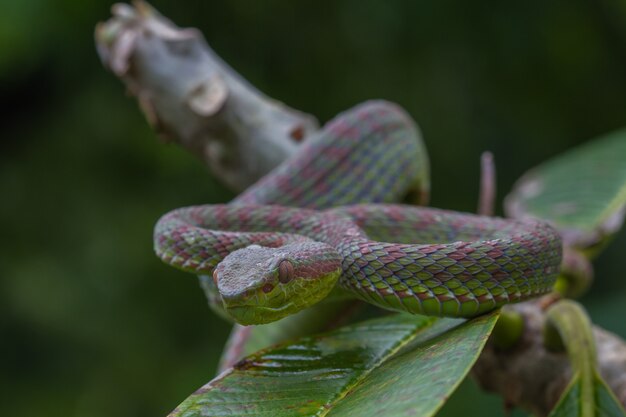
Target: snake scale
(264, 259)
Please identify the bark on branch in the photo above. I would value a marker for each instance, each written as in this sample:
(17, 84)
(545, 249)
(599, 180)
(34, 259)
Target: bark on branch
(189, 95)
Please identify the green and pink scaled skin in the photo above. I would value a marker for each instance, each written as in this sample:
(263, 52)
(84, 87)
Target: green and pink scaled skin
(268, 261)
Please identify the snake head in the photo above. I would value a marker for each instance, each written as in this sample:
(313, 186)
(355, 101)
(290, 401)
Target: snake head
(259, 285)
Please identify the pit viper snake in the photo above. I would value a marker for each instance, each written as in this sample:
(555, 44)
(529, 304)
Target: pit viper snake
(265, 259)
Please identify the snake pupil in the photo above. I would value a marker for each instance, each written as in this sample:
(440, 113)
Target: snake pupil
(285, 271)
(267, 288)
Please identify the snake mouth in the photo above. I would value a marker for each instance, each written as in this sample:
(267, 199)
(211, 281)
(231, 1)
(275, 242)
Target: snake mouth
(247, 314)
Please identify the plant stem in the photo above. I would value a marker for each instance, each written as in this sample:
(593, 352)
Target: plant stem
(568, 325)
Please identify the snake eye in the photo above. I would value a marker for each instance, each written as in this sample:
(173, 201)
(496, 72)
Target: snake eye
(285, 271)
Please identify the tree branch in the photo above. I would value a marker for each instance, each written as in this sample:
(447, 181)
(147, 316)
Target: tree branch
(189, 95)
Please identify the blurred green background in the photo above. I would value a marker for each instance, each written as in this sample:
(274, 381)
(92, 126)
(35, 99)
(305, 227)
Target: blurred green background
(93, 325)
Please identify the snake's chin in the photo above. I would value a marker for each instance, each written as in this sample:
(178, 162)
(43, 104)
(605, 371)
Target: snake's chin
(247, 314)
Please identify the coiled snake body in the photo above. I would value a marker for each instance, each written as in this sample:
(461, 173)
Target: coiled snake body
(269, 261)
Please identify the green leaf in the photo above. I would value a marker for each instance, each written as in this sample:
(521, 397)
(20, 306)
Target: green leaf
(582, 192)
(397, 365)
(245, 340)
(606, 405)
(606, 402)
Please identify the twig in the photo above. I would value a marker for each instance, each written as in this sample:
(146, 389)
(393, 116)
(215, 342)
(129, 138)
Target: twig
(487, 193)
